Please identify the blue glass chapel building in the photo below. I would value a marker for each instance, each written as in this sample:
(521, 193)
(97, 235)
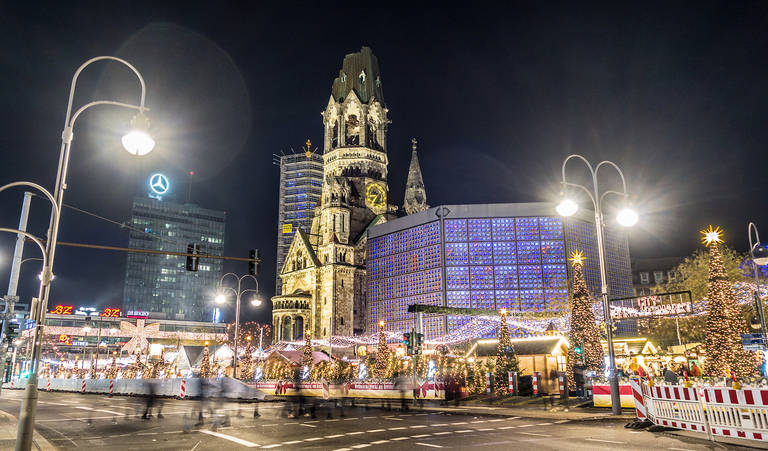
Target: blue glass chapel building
(487, 256)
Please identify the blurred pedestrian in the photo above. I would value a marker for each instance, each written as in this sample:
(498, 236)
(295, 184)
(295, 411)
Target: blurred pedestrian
(152, 401)
(669, 376)
(695, 370)
(401, 384)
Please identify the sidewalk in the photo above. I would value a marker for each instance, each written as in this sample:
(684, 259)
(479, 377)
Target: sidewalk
(8, 425)
(540, 412)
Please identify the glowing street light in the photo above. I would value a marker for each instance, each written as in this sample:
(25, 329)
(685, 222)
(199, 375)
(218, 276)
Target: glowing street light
(567, 207)
(256, 302)
(220, 299)
(137, 141)
(627, 217)
(238, 292)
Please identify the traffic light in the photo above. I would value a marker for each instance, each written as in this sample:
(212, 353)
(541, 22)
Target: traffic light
(192, 262)
(11, 330)
(408, 342)
(254, 267)
(577, 349)
(418, 340)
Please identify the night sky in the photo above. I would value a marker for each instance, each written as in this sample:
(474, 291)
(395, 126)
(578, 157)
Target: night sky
(497, 96)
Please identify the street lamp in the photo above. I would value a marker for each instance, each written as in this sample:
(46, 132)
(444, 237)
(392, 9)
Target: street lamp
(759, 253)
(133, 143)
(221, 298)
(627, 218)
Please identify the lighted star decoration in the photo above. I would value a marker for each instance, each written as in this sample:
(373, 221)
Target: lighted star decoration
(138, 334)
(711, 235)
(577, 258)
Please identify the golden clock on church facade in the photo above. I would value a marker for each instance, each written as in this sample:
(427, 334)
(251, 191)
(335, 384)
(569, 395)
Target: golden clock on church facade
(375, 196)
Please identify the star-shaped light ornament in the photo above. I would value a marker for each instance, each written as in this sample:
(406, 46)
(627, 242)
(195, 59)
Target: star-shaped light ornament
(711, 235)
(577, 258)
(139, 334)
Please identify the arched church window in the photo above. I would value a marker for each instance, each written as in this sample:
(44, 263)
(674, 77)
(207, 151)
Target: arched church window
(342, 320)
(362, 77)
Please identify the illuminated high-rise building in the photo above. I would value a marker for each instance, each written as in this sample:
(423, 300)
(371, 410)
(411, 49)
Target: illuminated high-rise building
(159, 283)
(301, 183)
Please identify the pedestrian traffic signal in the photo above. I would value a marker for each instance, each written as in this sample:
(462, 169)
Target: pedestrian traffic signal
(193, 262)
(254, 267)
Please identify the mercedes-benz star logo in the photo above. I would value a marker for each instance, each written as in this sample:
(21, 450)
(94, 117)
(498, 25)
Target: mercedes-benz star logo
(158, 183)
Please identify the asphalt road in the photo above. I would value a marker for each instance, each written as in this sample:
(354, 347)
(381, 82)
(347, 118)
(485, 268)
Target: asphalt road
(75, 421)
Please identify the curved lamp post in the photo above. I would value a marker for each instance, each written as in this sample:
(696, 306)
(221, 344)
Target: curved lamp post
(137, 142)
(759, 254)
(221, 298)
(627, 217)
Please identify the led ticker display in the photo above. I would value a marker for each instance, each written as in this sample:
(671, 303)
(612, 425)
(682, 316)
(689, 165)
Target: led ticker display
(62, 310)
(111, 312)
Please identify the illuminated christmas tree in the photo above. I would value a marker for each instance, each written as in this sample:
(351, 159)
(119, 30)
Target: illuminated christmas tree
(112, 370)
(205, 366)
(506, 360)
(724, 325)
(583, 334)
(307, 359)
(246, 362)
(382, 353)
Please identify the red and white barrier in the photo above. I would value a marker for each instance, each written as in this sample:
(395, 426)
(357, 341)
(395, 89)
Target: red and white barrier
(561, 383)
(535, 382)
(111, 386)
(488, 383)
(183, 388)
(83, 390)
(511, 375)
(48, 385)
(718, 411)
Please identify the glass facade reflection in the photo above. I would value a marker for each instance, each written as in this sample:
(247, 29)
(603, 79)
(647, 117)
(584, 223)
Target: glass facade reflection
(511, 256)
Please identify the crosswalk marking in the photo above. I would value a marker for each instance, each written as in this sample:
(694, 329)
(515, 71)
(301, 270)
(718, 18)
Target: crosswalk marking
(239, 441)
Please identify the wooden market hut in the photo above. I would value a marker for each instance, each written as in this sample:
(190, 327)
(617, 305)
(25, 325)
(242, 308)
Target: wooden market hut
(546, 355)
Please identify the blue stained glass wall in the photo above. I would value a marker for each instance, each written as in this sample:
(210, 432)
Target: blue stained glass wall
(517, 263)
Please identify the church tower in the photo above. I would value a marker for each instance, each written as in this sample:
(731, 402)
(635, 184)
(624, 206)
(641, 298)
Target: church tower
(330, 282)
(415, 194)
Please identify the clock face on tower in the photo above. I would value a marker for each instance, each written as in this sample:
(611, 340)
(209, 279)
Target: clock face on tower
(375, 196)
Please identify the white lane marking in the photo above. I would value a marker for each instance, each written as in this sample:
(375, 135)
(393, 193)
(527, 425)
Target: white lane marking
(543, 424)
(393, 418)
(561, 421)
(438, 425)
(400, 438)
(379, 442)
(272, 446)
(538, 435)
(362, 445)
(376, 430)
(464, 431)
(604, 441)
(515, 418)
(328, 421)
(418, 426)
(478, 421)
(495, 420)
(421, 435)
(292, 442)
(418, 414)
(368, 418)
(429, 444)
(239, 441)
(397, 428)
(109, 411)
(485, 429)
(460, 422)
(351, 419)
(265, 425)
(526, 425)
(344, 449)
(507, 427)
(312, 439)
(334, 436)
(680, 449)
(308, 425)
(355, 433)
(442, 433)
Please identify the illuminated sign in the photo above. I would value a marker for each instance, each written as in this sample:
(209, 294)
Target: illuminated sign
(288, 228)
(85, 311)
(137, 314)
(111, 312)
(66, 339)
(159, 184)
(62, 310)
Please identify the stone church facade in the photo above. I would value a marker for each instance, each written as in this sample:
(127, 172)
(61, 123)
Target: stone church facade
(323, 276)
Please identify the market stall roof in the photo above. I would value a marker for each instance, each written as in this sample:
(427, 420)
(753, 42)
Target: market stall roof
(631, 346)
(549, 345)
(295, 357)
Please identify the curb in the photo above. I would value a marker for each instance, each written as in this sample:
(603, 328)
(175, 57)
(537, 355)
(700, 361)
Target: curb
(38, 440)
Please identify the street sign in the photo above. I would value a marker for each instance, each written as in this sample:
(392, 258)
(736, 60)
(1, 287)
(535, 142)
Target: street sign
(753, 342)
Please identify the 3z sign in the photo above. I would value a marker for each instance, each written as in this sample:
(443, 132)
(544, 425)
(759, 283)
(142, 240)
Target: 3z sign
(62, 310)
